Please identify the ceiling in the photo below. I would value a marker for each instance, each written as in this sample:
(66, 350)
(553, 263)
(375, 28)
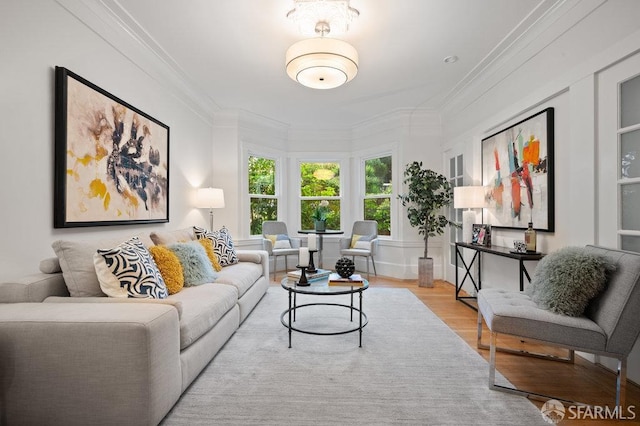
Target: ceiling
(232, 52)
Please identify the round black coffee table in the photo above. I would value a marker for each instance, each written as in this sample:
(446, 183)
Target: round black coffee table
(322, 288)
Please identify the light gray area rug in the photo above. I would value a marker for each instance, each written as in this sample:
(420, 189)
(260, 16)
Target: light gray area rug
(412, 369)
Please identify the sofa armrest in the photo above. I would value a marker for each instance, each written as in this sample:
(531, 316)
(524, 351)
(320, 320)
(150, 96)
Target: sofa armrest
(78, 363)
(295, 242)
(33, 288)
(255, 256)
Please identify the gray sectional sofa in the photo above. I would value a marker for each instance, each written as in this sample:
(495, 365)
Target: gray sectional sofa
(96, 360)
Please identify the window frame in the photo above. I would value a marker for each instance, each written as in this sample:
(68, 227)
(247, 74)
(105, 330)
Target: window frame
(363, 188)
(279, 179)
(296, 182)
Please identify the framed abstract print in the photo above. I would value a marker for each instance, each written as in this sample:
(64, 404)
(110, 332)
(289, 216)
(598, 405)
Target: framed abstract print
(111, 159)
(517, 173)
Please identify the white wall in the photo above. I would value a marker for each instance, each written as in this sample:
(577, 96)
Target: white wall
(35, 36)
(561, 74)
(408, 134)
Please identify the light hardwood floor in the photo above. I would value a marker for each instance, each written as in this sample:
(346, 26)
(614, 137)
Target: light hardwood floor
(582, 381)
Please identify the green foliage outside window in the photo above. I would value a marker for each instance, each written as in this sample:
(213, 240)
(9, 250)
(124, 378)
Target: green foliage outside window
(262, 188)
(378, 189)
(319, 181)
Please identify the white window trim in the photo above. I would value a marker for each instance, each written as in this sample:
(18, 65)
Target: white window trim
(294, 183)
(396, 179)
(362, 188)
(251, 150)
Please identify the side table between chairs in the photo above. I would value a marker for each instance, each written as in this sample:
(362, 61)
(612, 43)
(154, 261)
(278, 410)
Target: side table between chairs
(321, 234)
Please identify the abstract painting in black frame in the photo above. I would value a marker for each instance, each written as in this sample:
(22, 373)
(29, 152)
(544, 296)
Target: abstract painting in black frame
(111, 159)
(517, 174)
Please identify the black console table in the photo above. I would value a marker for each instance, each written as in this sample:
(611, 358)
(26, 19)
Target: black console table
(495, 250)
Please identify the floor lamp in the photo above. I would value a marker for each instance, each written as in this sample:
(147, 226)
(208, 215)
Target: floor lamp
(210, 198)
(468, 197)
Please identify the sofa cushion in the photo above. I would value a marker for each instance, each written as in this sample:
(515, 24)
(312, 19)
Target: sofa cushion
(76, 262)
(128, 270)
(171, 237)
(241, 276)
(222, 244)
(196, 266)
(169, 266)
(202, 308)
(169, 302)
(513, 312)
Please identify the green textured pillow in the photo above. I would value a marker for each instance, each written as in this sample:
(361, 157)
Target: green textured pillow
(196, 266)
(566, 280)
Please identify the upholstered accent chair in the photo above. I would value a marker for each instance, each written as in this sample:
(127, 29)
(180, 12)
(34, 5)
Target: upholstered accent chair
(362, 242)
(276, 241)
(609, 326)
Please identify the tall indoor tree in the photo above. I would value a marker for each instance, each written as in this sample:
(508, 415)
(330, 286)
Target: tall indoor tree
(428, 192)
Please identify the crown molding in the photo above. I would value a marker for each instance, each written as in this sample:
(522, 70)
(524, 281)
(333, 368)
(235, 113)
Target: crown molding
(109, 20)
(548, 21)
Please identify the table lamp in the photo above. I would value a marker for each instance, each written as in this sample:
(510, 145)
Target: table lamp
(210, 198)
(468, 197)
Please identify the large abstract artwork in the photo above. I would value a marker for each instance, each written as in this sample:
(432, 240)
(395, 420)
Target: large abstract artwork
(111, 159)
(517, 173)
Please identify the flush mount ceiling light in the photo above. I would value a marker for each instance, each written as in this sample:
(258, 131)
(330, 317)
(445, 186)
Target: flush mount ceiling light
(322, 63)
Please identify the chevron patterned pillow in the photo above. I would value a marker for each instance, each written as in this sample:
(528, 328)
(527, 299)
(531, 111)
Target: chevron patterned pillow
(222, 244)
(128, 270)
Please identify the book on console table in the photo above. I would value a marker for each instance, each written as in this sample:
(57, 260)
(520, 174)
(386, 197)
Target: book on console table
(354, 280)
(321, 274)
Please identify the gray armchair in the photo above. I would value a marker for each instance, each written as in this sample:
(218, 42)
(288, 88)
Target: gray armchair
(609, 326)
(271, 228)
(362, 242)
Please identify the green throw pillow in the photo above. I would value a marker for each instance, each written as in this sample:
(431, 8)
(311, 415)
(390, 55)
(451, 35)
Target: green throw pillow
(566, 280)
(196, 266)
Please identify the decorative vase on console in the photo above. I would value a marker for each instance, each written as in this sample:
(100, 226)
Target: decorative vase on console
(320, 215)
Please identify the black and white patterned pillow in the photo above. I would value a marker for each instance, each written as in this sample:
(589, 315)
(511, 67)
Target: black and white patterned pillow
(222, 244)
(128, 270)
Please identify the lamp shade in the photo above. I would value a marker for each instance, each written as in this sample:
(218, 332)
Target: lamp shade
(468, 197)
(210, 198)
(322, 63)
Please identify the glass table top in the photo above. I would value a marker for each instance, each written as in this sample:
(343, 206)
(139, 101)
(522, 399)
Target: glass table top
(322, 287)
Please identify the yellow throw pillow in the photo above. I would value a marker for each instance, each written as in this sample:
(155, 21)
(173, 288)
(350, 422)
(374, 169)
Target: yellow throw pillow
(279, 241)
(272, 238)
(362, 242)
(169, 266)
(354, 240)
(211, 254)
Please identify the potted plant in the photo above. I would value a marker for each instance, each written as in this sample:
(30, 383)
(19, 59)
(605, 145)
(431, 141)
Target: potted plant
(428, 193)
(320, 215)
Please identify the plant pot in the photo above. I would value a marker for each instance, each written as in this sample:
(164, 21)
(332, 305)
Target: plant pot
(425, 272)
(320, 225)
